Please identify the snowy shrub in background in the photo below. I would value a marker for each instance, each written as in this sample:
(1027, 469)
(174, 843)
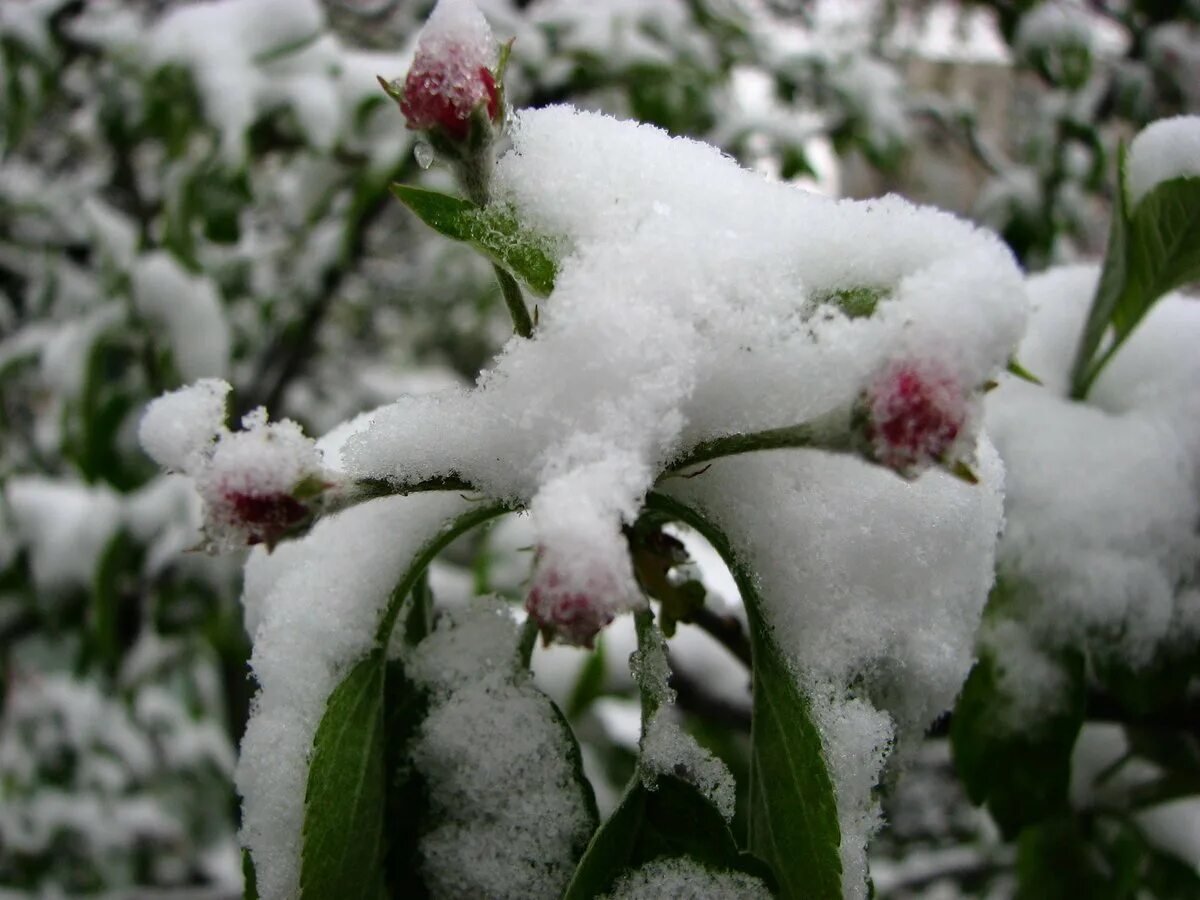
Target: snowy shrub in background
(732, 414)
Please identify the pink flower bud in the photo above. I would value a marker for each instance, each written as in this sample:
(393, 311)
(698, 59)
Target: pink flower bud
(451, 76)
(572, 615)
(915, 412)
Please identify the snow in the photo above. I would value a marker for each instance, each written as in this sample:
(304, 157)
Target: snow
(179, 427)
(249, 57)
(511, 818)
(1051, 25)
(186, 309)
(669, 751)
(1102, 498)
(1162, 151)
(66, 526)
(684, 879)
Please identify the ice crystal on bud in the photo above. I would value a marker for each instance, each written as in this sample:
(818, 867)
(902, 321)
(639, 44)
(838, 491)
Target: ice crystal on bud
(915, 414)
(451, 75)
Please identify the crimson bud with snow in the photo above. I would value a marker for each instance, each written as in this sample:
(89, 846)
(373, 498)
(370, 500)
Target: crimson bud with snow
(452, 82)
(915, 414)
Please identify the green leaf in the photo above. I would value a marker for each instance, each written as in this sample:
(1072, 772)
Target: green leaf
(672, 820)
(342, 850)
(1022, 773)
(793, 812)
(1152, 249)
(406, 706)
(249, 877)
(493, 230)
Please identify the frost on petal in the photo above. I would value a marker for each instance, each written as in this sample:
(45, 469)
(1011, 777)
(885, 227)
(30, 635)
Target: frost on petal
(1162, 151)
(178, 428)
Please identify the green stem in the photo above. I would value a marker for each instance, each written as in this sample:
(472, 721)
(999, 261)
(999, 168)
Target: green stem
(828, 433)
(514, 299)
(370, 488)
(449, 533)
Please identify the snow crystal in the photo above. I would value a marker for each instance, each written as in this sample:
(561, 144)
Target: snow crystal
(177, 428)
(684, 879)
(512, 818)
(187, 309)
(1102, 497)
(1162, 151)
(668, 750)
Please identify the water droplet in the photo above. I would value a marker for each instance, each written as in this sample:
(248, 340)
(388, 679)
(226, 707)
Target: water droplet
(424, 154)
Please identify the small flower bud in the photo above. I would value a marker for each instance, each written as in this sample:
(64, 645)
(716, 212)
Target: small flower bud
(572, 614)
(452, 74)
(915, 412)
(256, 483)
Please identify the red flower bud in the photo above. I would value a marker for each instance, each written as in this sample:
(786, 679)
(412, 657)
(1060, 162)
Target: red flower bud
(264, 518)
(443, 91)
(915, 414)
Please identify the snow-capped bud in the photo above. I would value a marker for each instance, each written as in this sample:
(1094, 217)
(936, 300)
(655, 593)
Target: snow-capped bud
(913, 414)
(452, 82)
(571, 612)
(259, 482)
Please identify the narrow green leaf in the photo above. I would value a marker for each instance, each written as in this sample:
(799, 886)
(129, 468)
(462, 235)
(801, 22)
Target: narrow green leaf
(793, 812)
(342, 851)
(1023, 774)
(1015, 368)
(672, 820)
(493, 230)
(249, 877)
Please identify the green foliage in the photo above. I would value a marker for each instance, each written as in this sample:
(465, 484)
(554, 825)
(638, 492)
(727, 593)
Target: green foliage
(344, 800)
(793, 812)
(1021, 770)
(1152, 249)
(493, 230)
(671, 820)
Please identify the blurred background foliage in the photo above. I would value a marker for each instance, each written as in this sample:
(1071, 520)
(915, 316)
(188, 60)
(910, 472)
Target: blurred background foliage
(187, 191)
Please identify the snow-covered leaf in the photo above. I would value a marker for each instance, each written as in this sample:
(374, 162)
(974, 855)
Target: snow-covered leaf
(673, 820)
(793, 811)
(494, 231)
